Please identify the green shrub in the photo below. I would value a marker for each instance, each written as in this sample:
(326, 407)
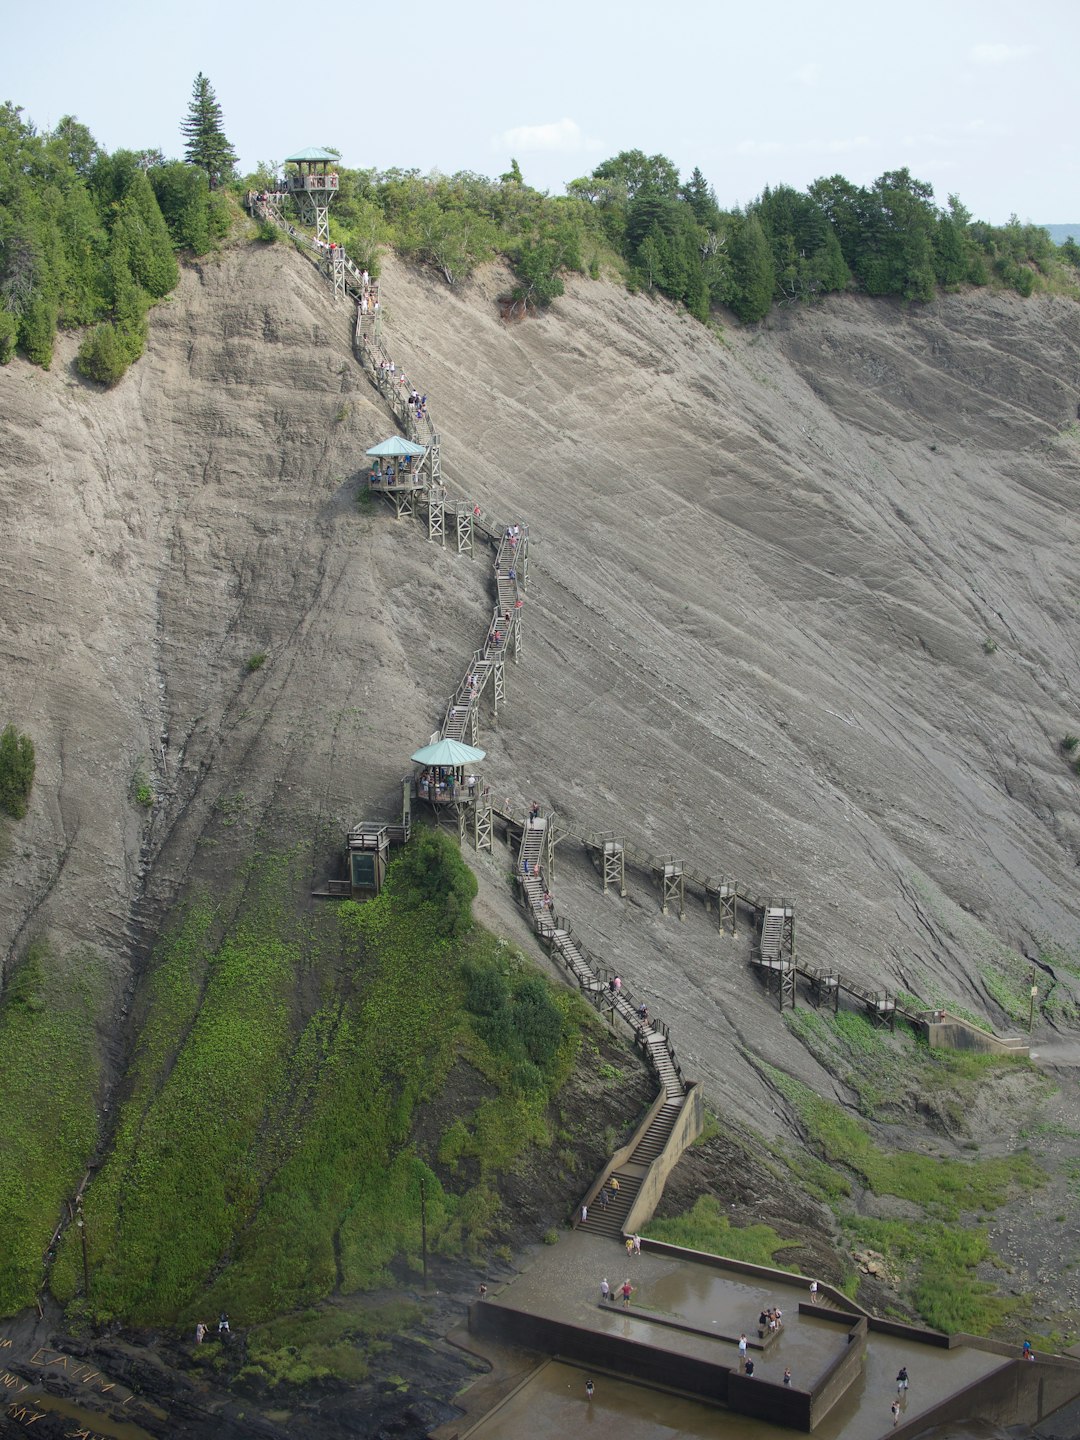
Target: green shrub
(9, 335)
(267, 232)
(255, 662)
(1069, 743)
(706, 1227)
(103, 355)
(17, 765)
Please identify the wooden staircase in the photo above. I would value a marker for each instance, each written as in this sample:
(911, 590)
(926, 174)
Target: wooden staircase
(772, 934)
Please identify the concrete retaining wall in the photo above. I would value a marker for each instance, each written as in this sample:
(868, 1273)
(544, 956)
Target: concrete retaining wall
(617, 1353)
(685, 1130)
(840, 1374)
(1021, 1393)
(955, 1034)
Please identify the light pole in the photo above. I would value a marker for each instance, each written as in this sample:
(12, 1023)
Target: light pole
(423, 1223)
(81, 1224)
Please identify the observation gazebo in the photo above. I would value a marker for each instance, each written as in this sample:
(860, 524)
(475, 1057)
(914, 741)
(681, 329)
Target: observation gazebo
(397, 470)
(446, 773)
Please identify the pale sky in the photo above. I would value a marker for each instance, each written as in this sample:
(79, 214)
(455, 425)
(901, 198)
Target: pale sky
(976, 98)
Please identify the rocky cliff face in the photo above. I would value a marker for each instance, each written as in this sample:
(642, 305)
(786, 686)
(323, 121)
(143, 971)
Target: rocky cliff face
(802, 611)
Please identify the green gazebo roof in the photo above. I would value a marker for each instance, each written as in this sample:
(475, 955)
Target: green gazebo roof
(314, 152)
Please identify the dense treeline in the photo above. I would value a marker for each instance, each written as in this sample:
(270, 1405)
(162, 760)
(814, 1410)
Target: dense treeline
(636, 214)
(88, 238)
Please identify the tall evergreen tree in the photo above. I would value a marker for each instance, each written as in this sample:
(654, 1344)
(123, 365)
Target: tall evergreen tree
(207, 145)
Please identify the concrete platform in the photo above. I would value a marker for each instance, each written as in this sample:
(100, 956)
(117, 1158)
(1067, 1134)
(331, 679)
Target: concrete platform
(714, 1306)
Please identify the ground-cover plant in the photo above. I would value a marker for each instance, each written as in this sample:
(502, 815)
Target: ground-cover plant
(49, 1078)
(944, 1188)
(706, 1227)
(266, 1155)
(331, 1341)
(937, 1263)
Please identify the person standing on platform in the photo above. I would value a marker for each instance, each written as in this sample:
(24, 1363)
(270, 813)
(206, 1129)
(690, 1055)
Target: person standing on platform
(605, 1290)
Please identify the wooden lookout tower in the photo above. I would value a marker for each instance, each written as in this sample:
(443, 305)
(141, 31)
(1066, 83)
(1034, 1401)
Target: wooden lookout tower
(313, 183)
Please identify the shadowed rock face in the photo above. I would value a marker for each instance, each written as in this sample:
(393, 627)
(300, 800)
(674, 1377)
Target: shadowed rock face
(768, 573)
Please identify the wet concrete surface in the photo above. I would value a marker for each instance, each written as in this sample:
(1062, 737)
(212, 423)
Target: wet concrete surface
(563, 1283)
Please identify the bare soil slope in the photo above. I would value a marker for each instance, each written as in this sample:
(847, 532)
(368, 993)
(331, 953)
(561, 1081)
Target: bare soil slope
(802, 610)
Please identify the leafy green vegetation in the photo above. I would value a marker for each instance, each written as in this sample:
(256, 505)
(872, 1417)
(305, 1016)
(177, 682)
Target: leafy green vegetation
(17, 767)
(942, 1187)
(88, 238)
(255, 662)
(267, 1154)
(49, 1080)
(705, 1227)
(939, 1262)
(636, 216)
(335, 1341)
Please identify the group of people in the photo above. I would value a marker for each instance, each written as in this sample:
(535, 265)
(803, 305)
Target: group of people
(202, 1330)
(417, 403)
(607, 1293)
(441, 782)
(770, 1320)
(390, 472)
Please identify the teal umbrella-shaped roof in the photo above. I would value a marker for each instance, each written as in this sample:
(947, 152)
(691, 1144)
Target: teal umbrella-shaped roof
(448, 752)
(395, 446)
(312, 153)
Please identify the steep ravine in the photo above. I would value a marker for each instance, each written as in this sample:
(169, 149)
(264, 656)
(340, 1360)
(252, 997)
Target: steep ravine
(802, 609)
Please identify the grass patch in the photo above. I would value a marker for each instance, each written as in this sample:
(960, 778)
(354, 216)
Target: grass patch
(331, 1342)
(49, 1080)
(944, 1188)
(940, 1260)
(266, 1155)
(706, 1227)
(255, 662)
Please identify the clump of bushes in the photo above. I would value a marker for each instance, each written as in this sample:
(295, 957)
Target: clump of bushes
(17, 765)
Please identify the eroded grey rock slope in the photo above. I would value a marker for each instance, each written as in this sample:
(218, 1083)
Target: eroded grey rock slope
(765, 569)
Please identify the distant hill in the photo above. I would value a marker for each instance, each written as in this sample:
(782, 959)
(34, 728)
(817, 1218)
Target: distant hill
(1060, 233)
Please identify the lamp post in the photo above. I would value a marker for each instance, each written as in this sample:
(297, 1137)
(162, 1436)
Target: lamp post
(1031, 1007)
(423, 1223)
(81, 1224)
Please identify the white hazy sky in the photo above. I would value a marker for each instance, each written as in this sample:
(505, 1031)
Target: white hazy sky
(977, 98)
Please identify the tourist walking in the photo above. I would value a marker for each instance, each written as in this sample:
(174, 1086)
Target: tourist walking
(637, 1246)
(813, 1292)
(895, 1408)
(748, 1368)
(584, 1213)
(902, 1380)
(742, 1344)
(589, 1387)
(200, 1331)
(605, 1290)
(787, 1375)
(627, 1290)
